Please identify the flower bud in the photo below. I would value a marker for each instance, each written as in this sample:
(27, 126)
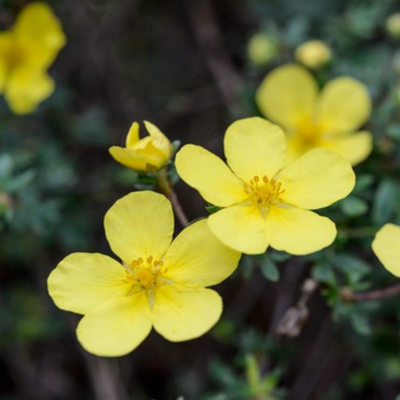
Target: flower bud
(392, 25)
(144, 155)
(313, 54)
(261, 49)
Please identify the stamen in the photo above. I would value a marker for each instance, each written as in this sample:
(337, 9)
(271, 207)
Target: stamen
(264, 194)
(147, 275)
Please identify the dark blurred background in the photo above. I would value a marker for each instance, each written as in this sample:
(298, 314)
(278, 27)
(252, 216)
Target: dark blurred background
(184, 66)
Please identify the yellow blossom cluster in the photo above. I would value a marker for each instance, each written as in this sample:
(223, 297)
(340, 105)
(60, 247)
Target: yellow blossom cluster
(266, 194)
(26, 52)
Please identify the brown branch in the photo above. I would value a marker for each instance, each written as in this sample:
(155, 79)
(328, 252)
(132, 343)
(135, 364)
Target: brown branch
(293, 320)
(348, 296)
(165, 186)
(176, 205)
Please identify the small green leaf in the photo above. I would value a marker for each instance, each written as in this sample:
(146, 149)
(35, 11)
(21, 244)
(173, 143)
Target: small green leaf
(354, 268)
(246, 266)
(360, 324)
(353, 206)
(269, 270)
(363, 182)
(323, 273)
(212, 209)
(384, 202)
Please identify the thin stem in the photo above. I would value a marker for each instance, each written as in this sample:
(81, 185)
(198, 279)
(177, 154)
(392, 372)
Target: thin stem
(359, 232)
(165, 187)
(348, 296)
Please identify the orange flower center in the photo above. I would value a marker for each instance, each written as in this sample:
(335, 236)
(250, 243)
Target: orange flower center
(264, 192)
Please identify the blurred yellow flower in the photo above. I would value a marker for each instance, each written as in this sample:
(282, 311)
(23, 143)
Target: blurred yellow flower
(159, 283)
(266, 203)
(313, 54)
(386, 246)
(289, 96)
(148, 154)
(26, 51)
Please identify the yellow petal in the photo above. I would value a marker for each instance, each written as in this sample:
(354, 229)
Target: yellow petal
(39, 33)
(354, 147)
(298, 231)
(240, 227)
(116, 327)
(132, 159)
(82, 280)
(159, 140)
(386, 246)
(343, 106)
(208, 174)
(26, 88)
(133, 135)
(254, 146)
(317, 179)
(140, 224)
(287, 95)
(182, 313)
(197, 258)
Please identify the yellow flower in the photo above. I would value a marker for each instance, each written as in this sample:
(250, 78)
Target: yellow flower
(26, 51)
(159, 283)
(266, 203)
(313, 54)
(386, 246)
(148, 154)
(289, 96)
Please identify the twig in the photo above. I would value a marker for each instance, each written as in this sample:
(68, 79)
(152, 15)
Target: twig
(164, 185)
(293, 320)
(348, 296)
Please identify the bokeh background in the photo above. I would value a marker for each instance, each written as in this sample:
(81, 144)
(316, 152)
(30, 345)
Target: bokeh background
(184, 65)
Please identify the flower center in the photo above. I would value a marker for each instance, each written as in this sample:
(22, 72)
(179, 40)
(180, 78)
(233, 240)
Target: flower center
(146, 274)
(14, 55)
(308, 134)
(264, 192)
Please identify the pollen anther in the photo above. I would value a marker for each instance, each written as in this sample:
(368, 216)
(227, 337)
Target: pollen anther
(265, 192)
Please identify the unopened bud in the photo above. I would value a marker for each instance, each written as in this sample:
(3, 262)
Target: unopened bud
(392, 25)
(313, 54)
(261, 49)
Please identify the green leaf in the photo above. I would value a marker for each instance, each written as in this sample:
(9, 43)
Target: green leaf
(269, 270)
(353, 206)
(6, 165)
(324, 273)
(212, 209)
(394, 132)
(15, 184)
(246, 266)
(354, 268)
(384, 202)
(360, 324)
(363, 182)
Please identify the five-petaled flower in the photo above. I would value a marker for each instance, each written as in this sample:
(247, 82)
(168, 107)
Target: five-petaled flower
(144, 155)
(265, 202)
(26, 51)
(386, 246)
(159, 283)
(289, 97)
